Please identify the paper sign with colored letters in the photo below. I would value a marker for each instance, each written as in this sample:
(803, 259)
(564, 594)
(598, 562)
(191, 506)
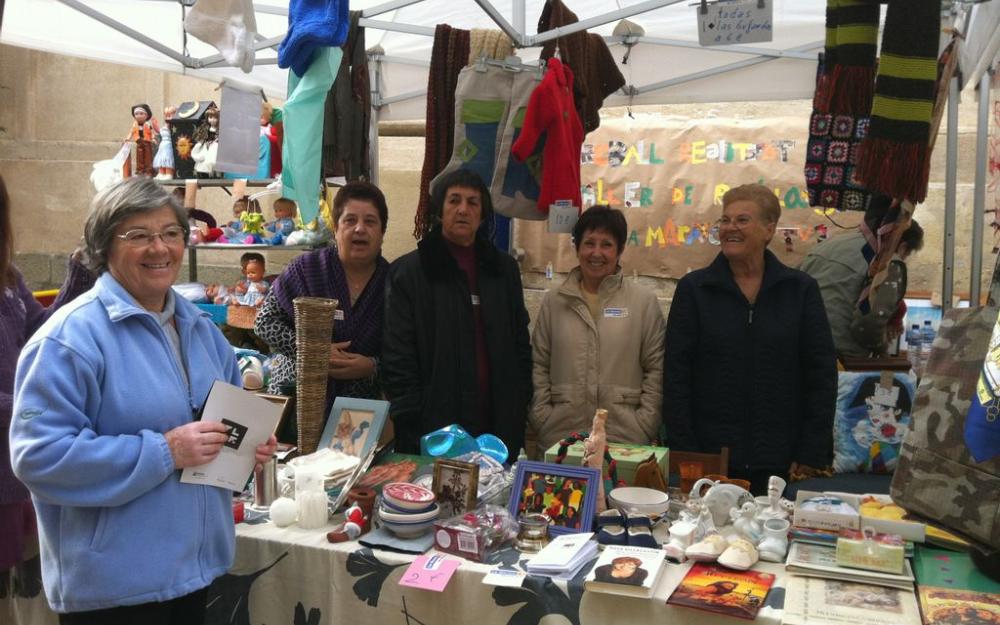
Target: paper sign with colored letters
(731, 22)
(430, 572)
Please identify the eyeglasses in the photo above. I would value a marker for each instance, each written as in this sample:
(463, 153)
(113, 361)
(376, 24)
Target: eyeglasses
(171, 235)
(740, 222)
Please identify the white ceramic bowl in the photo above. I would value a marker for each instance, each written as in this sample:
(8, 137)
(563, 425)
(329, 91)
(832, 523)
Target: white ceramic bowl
(407, 496)
(408, 530)
(639, 500)
(408, 519)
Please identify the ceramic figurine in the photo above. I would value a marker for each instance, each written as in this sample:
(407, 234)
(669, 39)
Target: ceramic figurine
(145, 133)
(777, 506)
(745, 522)
(206, 145)
(774, 546)
(593, 453)
(720, 498)
(163, 162)
(740, 555)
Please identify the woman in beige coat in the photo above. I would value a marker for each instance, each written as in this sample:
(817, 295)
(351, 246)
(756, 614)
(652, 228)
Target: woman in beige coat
(598, 343)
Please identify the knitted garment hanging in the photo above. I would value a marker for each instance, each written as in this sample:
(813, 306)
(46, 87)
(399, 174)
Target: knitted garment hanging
(895, 156)
(848, 79)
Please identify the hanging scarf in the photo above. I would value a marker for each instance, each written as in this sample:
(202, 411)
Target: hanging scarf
(895, 156)
(848, 80)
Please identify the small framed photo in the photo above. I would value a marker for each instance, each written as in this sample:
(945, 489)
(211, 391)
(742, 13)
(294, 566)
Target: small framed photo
(456, 486)
(567, 495)
(354, 427)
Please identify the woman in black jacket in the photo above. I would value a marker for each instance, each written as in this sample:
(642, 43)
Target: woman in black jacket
(750, 363)
(455, 348)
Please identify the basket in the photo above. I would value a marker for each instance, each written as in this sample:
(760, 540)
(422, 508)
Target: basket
(240, 316)
(313, 329)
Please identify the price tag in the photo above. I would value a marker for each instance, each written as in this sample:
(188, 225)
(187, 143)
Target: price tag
(430, 572)
(504, 577)
(731, 22)
(562, 216)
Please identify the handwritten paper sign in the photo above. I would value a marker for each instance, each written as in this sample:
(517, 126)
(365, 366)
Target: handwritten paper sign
(430, 572)
(562, 216)
(730, 22)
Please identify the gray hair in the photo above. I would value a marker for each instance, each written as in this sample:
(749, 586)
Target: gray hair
(117, 203)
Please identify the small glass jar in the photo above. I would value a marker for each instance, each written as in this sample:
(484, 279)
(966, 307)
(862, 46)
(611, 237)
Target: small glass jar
(533, 533)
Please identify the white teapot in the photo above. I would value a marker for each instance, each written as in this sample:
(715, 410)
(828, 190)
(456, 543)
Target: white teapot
(720, 498)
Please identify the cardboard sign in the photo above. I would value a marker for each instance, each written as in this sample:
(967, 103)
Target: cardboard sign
(563, 216)
(732, 22)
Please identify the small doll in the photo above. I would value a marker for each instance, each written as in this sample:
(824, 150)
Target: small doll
(233, 232)
(251, 289)
(269, 155)
(164, 159)
(145, 133)
(253, 227)
(283, 225)
(206, 145)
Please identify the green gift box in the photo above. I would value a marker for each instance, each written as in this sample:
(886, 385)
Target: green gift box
(626, 456)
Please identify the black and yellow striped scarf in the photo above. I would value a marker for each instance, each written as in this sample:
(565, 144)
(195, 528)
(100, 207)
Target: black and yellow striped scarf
(894, 158)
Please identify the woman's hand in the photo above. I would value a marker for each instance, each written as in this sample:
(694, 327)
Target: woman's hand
(196, 443)
(266, 450)
(345, 365)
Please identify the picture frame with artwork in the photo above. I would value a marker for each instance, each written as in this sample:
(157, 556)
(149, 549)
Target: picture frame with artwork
(354, 427)
(567, 494)
(456, 486)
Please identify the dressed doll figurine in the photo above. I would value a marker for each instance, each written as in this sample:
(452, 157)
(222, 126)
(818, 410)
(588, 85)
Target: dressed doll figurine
(206, 145)
(283, 225)
(145, 133)
(269, 155)
(164, 159)
(250, 291)
(593, 453)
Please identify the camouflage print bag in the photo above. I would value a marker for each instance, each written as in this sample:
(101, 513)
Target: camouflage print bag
(936, 476)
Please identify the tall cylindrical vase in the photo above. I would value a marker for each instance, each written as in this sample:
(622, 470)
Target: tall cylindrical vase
(313, 333)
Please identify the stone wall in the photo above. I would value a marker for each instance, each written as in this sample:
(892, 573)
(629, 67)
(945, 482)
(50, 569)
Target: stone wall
(60, 114)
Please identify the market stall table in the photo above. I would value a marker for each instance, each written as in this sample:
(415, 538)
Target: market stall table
(290, 575)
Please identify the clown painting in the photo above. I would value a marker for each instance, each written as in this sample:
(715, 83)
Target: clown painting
(871, 420)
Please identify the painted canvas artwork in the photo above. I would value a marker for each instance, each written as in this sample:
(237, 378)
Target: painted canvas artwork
(871, 421)
(353, 429)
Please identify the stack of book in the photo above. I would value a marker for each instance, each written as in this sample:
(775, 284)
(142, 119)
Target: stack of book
(810, 560)
(564, 557)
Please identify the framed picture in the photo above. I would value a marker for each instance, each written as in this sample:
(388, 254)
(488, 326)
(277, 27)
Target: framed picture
(354, 427)
(568, 495)
(456, 486)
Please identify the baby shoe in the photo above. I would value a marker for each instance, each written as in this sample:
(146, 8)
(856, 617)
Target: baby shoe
(640, 532)
(708, 549)
(740, 555)
(611, 528)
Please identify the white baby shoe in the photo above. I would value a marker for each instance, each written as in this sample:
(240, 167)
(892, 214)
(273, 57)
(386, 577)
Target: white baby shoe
(740, 555)
(708, 549)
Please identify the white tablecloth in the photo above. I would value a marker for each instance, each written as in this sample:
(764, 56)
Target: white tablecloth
(281, 572)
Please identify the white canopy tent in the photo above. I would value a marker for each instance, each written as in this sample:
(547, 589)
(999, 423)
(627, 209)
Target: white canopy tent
(666, 65)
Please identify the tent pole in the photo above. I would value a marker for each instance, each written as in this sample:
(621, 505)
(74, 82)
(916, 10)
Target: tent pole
(598, 20)
(500, 21)
(518, 16)
(375, 76)
(950, 187)
(979, 199)
(128, 32)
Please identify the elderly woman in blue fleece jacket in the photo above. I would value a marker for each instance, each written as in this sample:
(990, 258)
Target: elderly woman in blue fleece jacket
(106, 395)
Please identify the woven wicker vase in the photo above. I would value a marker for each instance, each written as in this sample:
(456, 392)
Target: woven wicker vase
(313, 329)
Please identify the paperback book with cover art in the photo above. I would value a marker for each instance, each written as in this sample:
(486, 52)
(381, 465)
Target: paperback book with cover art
(624, 570)
(816, 601)
(714, 588)
(947, 606)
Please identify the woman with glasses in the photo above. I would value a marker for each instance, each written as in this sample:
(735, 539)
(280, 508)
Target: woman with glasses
(598, 343)
(20, 316)
(750, 363)
(105, 415)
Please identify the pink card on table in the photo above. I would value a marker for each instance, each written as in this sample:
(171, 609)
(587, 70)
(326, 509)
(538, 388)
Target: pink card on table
(430, 572)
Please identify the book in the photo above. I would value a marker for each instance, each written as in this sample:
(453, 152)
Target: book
(829, 537)
(951, 570)
(250, 419)
(821, 561)
(947, 606)
(566, 553)
(713, 588)
(623, 570)
(815, 601)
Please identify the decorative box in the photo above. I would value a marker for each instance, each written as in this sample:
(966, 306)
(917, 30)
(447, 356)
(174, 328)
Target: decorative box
(866, 549)
(627, 458)
(826, 511)
(475, 535)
